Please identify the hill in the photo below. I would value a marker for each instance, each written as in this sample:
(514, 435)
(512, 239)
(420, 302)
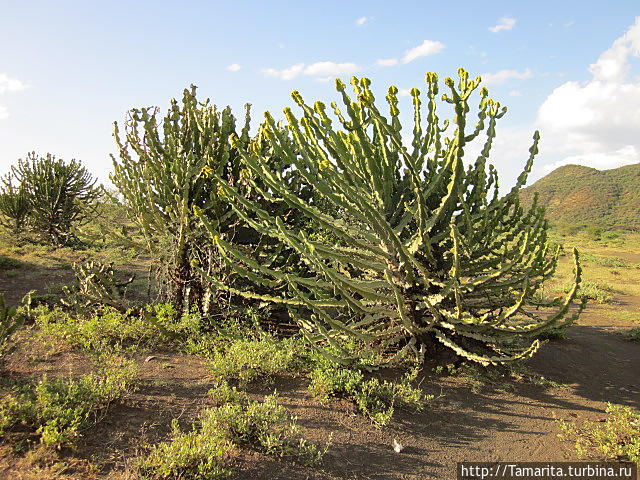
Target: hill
(583, 196)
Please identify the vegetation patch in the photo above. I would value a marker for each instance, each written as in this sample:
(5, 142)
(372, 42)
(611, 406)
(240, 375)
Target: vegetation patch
(247, 359)
(58, 410)
(600, 292)
(236, 421)
(374, 397)
(617, 438)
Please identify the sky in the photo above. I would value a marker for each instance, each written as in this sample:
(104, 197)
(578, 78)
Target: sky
(571, 69)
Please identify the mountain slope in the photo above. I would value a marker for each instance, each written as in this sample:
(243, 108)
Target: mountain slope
(577, 195)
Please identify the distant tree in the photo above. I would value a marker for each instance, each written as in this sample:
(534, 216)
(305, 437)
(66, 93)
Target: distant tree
(14, 205)
(59, 195)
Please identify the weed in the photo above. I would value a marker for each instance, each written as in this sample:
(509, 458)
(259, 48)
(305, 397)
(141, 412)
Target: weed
(618, 438)
(236, 421)
(57, 410)
(373, 397)
(246, 360)
(598, 291)
(8, 264)
(633, 334)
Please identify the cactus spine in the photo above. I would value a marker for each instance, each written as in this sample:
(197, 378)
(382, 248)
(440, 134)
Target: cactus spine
(419, 249)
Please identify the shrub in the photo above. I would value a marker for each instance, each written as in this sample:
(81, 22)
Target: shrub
(598, 291)
(58, 410)
(59, 194)
(407, 249)
(375, 398)
(246, 360)
(235, 422)
(618, 438)
(109, 329)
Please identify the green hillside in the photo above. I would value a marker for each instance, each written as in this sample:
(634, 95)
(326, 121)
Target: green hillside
(583, 196)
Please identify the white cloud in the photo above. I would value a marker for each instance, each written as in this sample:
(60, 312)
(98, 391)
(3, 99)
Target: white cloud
(234, 67)
(324, 70)
(596, 123)
(8, 84)
(361, 21)
(404, 92)
(4, 113)
(287, 74)
(505, 23)
(515, 93)
(502, 76)
(331, 68)
(426, 48)
(387, 62)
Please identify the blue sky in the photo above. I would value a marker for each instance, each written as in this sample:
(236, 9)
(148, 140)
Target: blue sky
(68, 69)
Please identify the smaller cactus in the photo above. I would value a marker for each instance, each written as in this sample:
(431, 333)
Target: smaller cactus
(97, 285)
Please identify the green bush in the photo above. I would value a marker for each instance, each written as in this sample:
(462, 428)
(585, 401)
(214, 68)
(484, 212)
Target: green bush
(58, 410)
(194, 455)
(618, 438)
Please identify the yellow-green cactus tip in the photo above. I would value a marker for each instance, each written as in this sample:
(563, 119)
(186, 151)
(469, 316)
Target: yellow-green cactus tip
(393, 90)
(365, 82)
(340, 86)
(415, 92)
(448, 82)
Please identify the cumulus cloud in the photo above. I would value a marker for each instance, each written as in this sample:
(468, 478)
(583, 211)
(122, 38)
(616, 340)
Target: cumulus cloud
(9, 84)
(387, 62)
(505, 23)
(234, 67)
(287, 74)
(323, 70)
(361, 21)
(596, 123)
(426, 48)
(502, 76)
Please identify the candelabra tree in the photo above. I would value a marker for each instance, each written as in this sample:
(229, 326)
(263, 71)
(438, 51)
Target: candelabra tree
(408, 248)
(52, 196)
(170, 173)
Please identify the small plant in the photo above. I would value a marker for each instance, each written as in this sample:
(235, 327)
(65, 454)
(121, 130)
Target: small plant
(373, 397)
(109, 329)
(11, 318)
(58, 410)
(633, 334)
(236, 421)
(194, 455)
(246, 360)
(97, 285)
(14, 206)
(600, 292)
(618, 438)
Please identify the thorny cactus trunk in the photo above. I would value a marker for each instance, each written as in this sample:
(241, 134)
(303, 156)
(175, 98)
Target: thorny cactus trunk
(418, 248)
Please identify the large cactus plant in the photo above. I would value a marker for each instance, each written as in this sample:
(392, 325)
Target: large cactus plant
(412, 248)
(166, 169)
